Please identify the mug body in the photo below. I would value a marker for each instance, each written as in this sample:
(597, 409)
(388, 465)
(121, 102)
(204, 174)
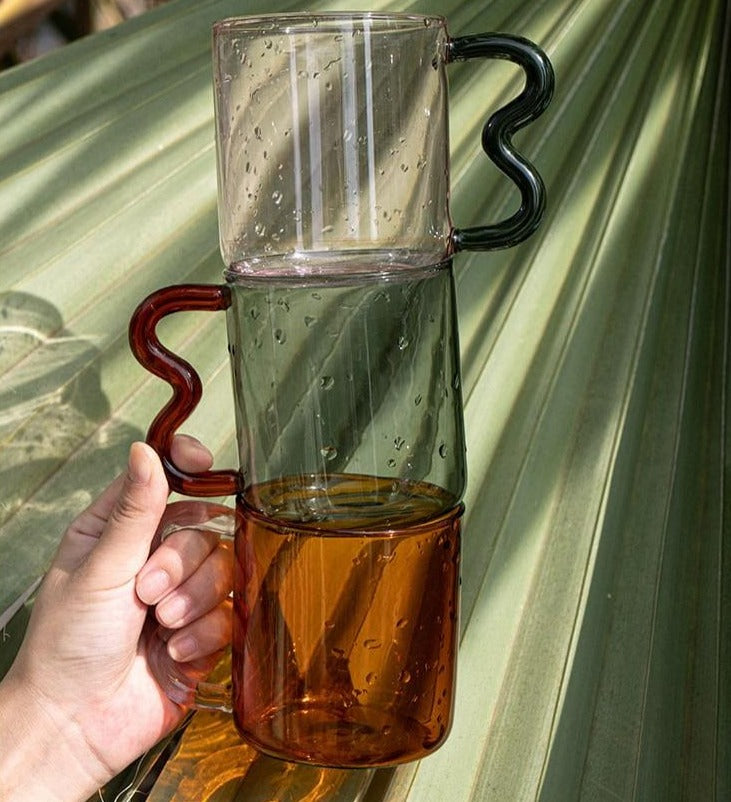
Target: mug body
(332, 142)
(341, 377)
(344, 633)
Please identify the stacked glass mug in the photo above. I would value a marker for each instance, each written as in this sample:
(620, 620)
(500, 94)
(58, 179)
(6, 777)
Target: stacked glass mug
(333, 175)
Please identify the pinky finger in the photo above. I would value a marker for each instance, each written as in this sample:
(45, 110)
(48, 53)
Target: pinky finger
(206, 635)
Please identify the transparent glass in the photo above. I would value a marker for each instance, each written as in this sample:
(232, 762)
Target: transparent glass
(333, 175)
(331, 138)
(349, 377)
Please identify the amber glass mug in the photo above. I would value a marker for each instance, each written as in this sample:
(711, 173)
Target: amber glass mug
(340, 302)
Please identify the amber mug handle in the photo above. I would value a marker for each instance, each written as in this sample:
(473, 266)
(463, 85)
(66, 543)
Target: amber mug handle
(182, 378)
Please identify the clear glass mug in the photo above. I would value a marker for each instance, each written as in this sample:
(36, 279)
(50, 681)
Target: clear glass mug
(339, 295)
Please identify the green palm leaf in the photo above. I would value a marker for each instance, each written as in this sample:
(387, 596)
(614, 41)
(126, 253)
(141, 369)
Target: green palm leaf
(595, 614)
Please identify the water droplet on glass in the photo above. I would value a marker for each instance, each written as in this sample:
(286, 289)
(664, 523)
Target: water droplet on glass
(372, 643)
(329, 624)
(316, 296)
(443, 450)
(455, 381)
(329, 452)
(401, 623)
(280, 336)
(329, 86)
(326, 382)
(386, 729)
(309, 320)
(403, 343)
(371, 677)
(257, 132)
(404, 677)
(417, 400)
(398, 443)
(260, 229)
(254, 312)
(277, 197)
(391, 463)
(404, 167)
(326, 229)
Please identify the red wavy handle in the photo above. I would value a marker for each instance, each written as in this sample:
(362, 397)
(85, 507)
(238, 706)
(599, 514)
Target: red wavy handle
(181, 376)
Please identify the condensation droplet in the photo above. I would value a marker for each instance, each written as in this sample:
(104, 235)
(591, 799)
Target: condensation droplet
(309, 320)
(417, 400)
(404, 167)
(277, 197)
(443, 450)
(391, 463)
(257, 132)
(329, 452)
(372, 643)
(371, 677)
(280, 336)
(398, 443)
(404, 677)
(260, 229)
(455, 381)
(403, 343)
(326, 382)
(401, 623)
(386, 729)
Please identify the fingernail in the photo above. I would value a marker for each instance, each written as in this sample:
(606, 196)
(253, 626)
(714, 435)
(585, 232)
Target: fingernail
(139, 466)
(153, 586)
(183, 648)
(172, 612)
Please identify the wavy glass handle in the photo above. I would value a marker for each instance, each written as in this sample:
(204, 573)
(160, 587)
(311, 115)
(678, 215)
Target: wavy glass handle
(181, 376)
(497, 133)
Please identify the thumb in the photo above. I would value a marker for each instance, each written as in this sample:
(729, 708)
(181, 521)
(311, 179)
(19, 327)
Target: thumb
(124, 544)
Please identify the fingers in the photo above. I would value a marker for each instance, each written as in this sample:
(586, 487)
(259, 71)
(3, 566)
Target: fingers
(125, 539)
(177, 558)
(209, 585)
(208, 634)
(189, 454)
(189, 577)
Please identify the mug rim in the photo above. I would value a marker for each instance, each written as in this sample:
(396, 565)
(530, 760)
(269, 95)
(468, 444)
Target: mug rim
(309, 22)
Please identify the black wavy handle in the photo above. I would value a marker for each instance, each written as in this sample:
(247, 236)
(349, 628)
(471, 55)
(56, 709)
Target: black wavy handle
(497, 133)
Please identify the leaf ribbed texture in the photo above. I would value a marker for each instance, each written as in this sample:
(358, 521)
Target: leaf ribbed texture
(595, 596)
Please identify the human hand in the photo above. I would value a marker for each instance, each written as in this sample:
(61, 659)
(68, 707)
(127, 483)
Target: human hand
(80, 701)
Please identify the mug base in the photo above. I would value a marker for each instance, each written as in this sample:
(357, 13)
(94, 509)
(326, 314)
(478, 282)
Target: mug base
(358, 737)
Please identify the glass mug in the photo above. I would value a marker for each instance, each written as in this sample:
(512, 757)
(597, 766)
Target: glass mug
(342, 328)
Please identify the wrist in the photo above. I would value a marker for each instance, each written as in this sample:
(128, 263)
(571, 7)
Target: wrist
(41, 754)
